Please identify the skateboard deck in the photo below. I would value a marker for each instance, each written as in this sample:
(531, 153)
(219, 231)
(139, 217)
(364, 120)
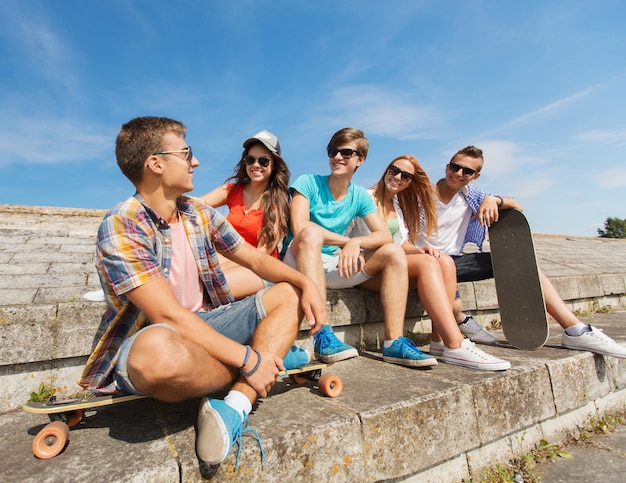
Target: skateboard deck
(64, 415)
(329, 384)
(518, 286)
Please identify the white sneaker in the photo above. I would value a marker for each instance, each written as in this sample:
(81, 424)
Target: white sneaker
(436, 348)
(474, 332)
(594, 341)
(468, 355)
(96, 296)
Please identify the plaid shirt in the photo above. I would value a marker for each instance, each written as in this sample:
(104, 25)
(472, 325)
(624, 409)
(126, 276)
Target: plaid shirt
(134, 246)
(476, 233)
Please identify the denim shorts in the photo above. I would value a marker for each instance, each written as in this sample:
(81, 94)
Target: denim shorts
(331, 272)
(237, 321)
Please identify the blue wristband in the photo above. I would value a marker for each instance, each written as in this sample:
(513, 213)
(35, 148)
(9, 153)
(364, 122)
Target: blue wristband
(254, 369)
(245, 359)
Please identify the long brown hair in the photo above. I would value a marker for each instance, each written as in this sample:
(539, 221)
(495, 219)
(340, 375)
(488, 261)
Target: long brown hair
(417, 200)
(275, 199)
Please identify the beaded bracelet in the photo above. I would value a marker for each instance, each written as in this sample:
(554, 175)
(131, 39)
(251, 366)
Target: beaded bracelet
(253, 370)
(245, 359)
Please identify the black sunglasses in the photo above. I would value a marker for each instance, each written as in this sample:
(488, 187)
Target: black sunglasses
(346, 153)
(263, 161)
(466, 171)
(404, 175)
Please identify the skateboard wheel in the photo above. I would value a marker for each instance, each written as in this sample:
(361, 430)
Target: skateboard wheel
(330, 385)
(74, 417)
(298, 378)
(51, 440)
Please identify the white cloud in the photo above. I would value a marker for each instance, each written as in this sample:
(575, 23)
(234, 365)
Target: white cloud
(52, 141)
(610, 179)
(383, 112)
(603, 137)
(543, 111)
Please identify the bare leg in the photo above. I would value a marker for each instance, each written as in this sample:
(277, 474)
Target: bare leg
(388, 266)
(306, 248)
(435, 297)
(555, 305)
(242, 282)
(171, 368)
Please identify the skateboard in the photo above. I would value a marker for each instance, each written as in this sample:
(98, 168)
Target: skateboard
(64, 415)
(329, 384)
(518, 286)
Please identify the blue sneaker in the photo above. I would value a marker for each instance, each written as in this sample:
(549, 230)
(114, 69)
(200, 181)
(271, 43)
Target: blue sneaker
(219, 426)
(296, 357)
(328, 348)
(403, 351)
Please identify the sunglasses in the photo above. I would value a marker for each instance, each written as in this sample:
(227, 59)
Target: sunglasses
(187, 151)
(263, 161)
(455, 168)
(404, 175)
(346, 153)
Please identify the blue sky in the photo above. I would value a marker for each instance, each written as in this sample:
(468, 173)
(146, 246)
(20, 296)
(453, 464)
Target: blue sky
(539, 86)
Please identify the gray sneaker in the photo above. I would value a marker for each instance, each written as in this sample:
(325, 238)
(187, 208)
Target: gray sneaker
(595, 341)
(474, 332)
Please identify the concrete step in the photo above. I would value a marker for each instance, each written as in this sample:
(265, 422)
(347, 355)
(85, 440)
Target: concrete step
(391, 423)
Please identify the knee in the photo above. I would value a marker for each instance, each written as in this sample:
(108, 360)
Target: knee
(393, 253)
(310, 238)
(282, 295)
(155, 356)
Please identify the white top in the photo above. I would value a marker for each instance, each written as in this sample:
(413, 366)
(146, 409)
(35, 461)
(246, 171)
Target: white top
(452, 221)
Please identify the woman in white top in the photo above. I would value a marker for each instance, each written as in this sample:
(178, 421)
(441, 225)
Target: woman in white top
(404, 197)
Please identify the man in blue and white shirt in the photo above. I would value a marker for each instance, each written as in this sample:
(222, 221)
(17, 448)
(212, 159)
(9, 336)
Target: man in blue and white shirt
(464, 213)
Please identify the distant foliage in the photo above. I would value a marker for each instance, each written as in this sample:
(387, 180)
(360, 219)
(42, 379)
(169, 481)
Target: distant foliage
(613, 228)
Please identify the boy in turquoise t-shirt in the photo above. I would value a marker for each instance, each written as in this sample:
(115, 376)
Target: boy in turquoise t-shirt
(322, 208)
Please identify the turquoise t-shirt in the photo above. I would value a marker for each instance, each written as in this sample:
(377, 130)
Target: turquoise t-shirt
(330, 214)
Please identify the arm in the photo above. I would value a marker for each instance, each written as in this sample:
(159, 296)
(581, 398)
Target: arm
(488, 211)
(273, 270)
(351, 258)
(300, 219)
(217, 197)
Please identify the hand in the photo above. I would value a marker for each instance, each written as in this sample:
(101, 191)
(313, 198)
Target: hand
(488, 211)
(351, 258)
(314, 307)
(432, 251)
(264, 377)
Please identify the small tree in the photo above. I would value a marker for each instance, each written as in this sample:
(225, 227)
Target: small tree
(613, 228)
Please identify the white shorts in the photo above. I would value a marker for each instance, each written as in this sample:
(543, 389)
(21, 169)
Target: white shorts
(331, 272)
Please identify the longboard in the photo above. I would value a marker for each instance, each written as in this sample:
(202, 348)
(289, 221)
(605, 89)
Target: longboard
(518, 285)
(329, 384)
(66, 414)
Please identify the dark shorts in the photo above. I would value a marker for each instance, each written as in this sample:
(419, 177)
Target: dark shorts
(472, 267)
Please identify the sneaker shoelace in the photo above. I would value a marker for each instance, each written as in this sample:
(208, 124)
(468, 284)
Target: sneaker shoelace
(237, 438)
(471, 347)
(329, 339)
(407, 346)
(598, 334)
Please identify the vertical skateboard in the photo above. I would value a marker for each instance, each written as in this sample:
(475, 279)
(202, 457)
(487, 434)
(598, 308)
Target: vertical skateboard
(518, 286)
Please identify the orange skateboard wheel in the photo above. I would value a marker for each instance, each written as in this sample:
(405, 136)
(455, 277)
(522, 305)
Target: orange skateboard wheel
(330, 385)
(298, 378)
(75, 417)
(51, 440)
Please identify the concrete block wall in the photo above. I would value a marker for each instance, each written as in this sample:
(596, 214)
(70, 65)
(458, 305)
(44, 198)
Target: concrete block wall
(47, 329)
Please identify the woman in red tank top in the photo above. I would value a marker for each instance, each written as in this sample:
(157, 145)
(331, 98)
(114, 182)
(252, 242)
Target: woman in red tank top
(257, 199)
